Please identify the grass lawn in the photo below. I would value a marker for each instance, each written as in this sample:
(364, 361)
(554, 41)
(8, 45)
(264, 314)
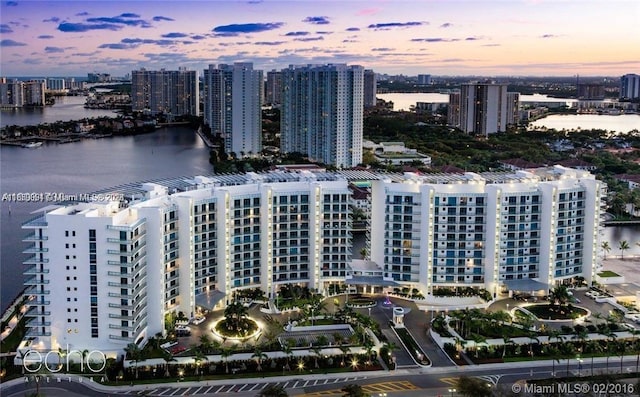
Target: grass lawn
(608, 273)
(412, 346)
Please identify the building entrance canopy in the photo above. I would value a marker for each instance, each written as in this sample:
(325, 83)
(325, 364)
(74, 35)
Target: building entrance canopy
(525, 285)
(371, 280)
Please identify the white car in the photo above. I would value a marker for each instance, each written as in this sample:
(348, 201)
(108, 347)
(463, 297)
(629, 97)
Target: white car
(182, 328)
(197, 320)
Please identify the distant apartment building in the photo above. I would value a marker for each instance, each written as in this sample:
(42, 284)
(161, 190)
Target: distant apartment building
(56, 84)
(274, 88)
(513, 108)
(104, 274)
(453, 109)
(17, 94)
(590, 91)
(169, 92)
(630, 86)
(483, 108)
(233, 107)
(98, 77)
(424, 79)
(370, 88)
(322, 112)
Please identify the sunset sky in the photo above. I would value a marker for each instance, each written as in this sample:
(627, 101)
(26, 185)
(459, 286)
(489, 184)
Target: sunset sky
(438, 37)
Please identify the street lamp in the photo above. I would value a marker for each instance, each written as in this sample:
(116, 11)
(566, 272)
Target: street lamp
(452, 391)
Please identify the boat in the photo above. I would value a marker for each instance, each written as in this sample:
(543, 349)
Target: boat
(32, 144)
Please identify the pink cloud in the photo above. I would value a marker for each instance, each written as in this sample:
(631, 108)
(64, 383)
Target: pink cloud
(368, 11)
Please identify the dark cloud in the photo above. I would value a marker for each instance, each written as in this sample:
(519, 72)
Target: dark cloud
(129, 15)
(383, 49)
(297, 34)
(317, 20)
(548, 36)
(52, 50)
(350, 41)
(236, 43)
(174, 35)
(11, 43)
(161, 18)
(147, 41)
(198, 37)
(45, 36)
(84, 27)
(446, 25)
(235, 29)
(321, 32)
(4, 28)
(269, 42)
(491, 45)
(389, 25)
(436, 40)
(472, 38)
(52, 19)
(309, 39)
(82, 14)
(118, 46)
(353, 29)
(86, 54)
(11, 3)
(123, 19)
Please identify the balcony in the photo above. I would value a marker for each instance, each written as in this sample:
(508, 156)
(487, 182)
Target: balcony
(34, 237)
(34, 332)
(33, 260)
(36, 222)
(35, 250)
(36, 291)
(34, 269)
(120, 317)
(35, 281)
(35, 312)
(37, 323)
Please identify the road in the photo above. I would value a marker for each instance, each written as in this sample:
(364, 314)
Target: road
(422, 382)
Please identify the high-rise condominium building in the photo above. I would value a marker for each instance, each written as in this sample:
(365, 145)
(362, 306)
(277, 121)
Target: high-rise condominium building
(233, 107)
(513, 108)
(370, 88)
(630, 86)
(16, 94)
(424, 79)
(590, 91)
(321, 113)
(274, 87)
(104, 274)
(171, 92)
(483, 108)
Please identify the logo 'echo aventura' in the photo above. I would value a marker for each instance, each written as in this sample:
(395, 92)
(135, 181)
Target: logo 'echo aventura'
(33, 361)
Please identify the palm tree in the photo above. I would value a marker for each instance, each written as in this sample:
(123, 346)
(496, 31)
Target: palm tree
(259, 355)
(135, 355)
(559, 295)
(167, 357)
(345, 350)
(205, 343)
(506, 340)
(635, 346)
(594, 348)
(622, 348)
(322, 340)
(234, 314)
(623, 246)
(197, 359)
(225, 354)
(606, 248)
(553, 353)
(478, 340)
(611, 339)
(288, 351)
(317, 351)
(273, 391)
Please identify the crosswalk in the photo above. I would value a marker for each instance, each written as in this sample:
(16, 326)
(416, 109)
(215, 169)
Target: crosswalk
(235, 388)
(373, 389)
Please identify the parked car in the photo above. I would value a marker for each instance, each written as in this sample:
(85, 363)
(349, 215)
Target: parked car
(198, 320)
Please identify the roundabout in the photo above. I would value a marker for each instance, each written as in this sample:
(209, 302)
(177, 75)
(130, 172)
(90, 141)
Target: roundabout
(548, 312)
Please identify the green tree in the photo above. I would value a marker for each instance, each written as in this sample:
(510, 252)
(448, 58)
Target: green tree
(623, 246)
(473, 387)
(353, 390)
(606, 248)
(272, 390)
(167, 357)
(259, 355)
(559, 295)
(134, 354)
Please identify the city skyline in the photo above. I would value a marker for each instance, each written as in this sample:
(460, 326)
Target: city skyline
(528, 37)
